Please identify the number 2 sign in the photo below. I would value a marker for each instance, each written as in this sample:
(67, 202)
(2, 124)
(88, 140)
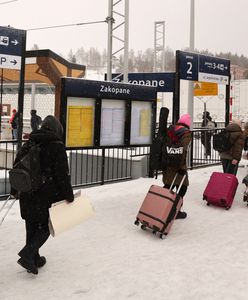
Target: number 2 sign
(188, 65)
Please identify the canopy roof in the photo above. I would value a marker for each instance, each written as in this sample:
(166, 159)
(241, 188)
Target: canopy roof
(45, 66)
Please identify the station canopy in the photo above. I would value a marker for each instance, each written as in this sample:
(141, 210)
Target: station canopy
(45, 66)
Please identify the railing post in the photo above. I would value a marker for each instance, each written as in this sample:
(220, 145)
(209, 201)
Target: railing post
(191, 151)
(103, 166)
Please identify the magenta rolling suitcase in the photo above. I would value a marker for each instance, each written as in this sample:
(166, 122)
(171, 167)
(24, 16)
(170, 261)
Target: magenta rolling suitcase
(159, 209)
(221, 189)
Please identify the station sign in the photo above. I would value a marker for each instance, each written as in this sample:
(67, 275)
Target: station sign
(11, 47)
(197, 67)
(164, 82)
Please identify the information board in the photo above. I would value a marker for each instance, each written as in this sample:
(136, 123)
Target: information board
(112, 122)
(103, 114)
(197, 67)
(141, 118)
(80, 120)
(205, 89)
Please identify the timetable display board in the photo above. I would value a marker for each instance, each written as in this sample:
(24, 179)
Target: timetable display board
(80, 120)
(141, 120)
(97, 114)
(112, 122)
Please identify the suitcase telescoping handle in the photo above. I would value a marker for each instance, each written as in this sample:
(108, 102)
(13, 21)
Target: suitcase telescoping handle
(181, 183)
(173, 211)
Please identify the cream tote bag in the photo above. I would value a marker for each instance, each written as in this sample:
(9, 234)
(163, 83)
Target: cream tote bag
(65, 215)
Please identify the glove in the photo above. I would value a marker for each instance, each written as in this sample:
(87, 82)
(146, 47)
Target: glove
(70, 200)
(182, 172)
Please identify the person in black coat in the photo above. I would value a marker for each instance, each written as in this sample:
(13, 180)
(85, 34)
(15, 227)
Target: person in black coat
(35, 206)
(206, 135)
(35, 120)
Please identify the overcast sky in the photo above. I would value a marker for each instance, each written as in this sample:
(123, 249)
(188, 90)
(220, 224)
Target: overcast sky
(220, 25)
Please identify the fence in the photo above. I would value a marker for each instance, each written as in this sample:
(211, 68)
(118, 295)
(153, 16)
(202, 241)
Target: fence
(93, 166)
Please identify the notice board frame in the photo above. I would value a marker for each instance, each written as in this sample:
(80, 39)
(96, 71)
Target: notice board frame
(100, 90)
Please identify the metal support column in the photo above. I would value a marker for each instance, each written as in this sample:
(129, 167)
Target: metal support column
(159, 47)
(118, 35)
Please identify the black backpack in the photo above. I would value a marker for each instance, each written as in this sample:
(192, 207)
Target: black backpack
(26, 174)
(222, 141)
(174, 153)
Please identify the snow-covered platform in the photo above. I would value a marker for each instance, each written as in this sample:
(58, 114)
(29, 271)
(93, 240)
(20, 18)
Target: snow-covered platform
(109, 258)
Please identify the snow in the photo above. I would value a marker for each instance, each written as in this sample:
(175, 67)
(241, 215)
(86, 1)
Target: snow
(108, 257)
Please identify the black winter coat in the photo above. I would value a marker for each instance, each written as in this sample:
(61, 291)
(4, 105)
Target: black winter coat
(34, 206)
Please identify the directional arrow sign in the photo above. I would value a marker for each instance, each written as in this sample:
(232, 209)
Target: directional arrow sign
(10, 62)
(11, 41)
(213, 69)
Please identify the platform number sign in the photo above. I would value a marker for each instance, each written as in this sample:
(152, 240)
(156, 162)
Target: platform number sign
(197, 67)
(189, 66)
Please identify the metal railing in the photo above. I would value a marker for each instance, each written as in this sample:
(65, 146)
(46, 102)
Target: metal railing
(92, 166)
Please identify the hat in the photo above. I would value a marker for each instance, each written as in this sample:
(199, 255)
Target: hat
(185, 119)
(14, 110)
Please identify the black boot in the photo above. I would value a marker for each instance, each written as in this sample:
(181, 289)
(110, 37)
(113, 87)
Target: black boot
(181, 215)
(40, 261)
(29, 265)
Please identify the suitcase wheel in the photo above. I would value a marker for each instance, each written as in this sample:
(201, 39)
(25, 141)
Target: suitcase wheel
(143, 227)
(137, 222)
(208, 203)
(227, 207)
(162, 235)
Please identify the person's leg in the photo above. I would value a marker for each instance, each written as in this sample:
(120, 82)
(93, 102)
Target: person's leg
(27, 253)
(15, 133)
(183, 190)
(181, 193)
(231, 169)
(37, 235)
(208, 145)
(225, 163)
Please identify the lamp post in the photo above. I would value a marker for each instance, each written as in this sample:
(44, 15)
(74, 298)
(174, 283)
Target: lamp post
(191, 47)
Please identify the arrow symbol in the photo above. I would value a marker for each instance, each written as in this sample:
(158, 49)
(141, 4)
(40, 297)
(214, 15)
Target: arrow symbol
(14, 62)
(15, 42)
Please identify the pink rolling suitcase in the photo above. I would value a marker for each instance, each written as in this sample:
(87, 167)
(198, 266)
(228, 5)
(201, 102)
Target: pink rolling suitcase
(159, 209)
(221, 189)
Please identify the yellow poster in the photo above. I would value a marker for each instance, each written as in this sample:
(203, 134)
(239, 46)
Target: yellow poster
(80, 126)
(205, 89)
(144, 122)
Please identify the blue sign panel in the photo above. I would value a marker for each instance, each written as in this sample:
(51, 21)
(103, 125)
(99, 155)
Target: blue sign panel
(11, 47)
(188, 66)
(163, 82)
(107, 90)
(203, 68)
(11, 41)
(214, 65)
